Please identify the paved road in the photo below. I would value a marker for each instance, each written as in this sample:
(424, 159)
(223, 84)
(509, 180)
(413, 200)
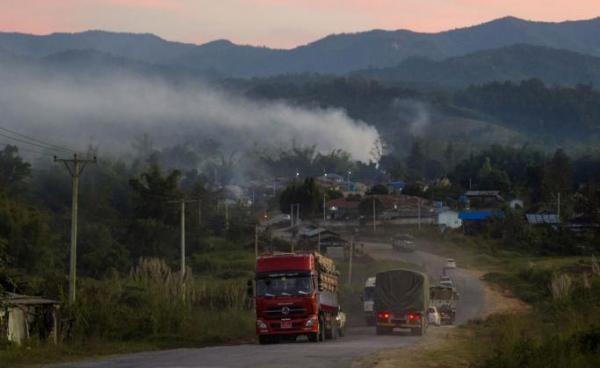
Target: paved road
(358, 342)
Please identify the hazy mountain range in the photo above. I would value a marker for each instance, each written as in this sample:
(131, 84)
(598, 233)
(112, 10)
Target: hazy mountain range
(343, 53)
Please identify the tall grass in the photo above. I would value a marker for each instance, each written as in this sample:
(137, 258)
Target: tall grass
(562, 330)
(154, 303)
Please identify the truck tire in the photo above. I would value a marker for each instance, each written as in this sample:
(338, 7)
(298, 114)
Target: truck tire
(313, 337)
(264, 339)
(321, 329)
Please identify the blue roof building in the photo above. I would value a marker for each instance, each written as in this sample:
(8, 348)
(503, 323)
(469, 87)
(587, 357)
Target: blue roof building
(479, 215)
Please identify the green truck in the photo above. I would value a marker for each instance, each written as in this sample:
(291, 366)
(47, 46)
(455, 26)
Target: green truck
(401, 301)
(445, 299)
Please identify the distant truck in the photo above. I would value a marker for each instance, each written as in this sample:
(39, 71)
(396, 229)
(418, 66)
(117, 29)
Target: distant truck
(404, 243)
(401, 301)
(445, 299)
(297, 294)
(368, 300)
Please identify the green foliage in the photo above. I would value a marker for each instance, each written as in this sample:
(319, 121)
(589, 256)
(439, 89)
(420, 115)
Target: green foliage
(27, 240)
(558, 332)
(553, 113)
(365, 207)
(13, 170)
(149, 305)
(378, 189)
(307, 194)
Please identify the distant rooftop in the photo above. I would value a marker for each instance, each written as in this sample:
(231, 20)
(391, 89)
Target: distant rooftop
(542, 218)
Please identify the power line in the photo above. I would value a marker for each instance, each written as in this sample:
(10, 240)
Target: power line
(33, 144)
(22, 149)
(38, 141)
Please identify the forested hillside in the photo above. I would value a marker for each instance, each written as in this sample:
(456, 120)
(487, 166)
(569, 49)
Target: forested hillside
(512, 63)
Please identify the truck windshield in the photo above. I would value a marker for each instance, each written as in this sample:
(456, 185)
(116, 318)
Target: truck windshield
(369, 293)
(283, 285)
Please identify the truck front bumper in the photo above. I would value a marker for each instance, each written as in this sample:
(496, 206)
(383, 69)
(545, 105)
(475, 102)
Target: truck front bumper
(287, 326)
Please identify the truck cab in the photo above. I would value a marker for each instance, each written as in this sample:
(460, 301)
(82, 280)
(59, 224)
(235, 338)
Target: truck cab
(368, 301)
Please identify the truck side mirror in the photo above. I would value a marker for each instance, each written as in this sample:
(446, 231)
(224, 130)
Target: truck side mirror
(250, 288)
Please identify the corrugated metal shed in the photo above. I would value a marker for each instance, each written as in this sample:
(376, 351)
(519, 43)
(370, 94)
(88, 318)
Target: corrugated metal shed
(542, 218)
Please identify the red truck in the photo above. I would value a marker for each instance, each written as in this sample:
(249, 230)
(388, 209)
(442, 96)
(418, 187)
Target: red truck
(296, 294)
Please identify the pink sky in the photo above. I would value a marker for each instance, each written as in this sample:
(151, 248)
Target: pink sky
(274, 23)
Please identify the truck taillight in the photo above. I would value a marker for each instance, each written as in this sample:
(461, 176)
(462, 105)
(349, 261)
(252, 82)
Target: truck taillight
(384, 316)
(414, 317)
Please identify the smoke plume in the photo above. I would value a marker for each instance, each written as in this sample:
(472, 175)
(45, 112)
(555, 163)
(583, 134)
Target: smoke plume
(110, 110)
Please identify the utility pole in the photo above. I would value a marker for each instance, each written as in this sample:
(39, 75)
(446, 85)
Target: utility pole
(558, 207)
(374, 215)
(75, 167)
(324, 215)
(348, 181)
(199, 213)
(226, 216)
(419, 206)
(292, 215)
(182, 241)
(297, 213)
(256, 240)
(319, 243)
(350, 261)
(182, 203)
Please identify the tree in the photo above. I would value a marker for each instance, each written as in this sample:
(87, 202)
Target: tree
(379, 189)
(558, 174)
(307, 195)
(153, 229)
(13, 169)
(365, 208)
(416, 161)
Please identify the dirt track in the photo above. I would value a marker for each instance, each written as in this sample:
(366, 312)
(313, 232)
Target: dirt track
(359, 342)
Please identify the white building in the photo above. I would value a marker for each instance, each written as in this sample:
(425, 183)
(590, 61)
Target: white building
(449, 219)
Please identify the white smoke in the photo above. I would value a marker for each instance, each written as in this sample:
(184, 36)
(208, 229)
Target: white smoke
(416, 113)
(112, 111)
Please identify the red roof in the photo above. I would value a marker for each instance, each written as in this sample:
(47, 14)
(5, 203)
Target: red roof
(388, 201)
(343, 203)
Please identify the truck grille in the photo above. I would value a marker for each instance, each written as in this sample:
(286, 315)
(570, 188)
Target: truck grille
(285, 311)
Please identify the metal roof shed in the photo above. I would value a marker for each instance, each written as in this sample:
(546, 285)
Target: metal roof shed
(18, 313)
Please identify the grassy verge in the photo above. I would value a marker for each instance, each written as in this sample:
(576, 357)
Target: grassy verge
(149, 309)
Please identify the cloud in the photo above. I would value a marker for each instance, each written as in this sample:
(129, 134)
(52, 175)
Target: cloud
(112, 110)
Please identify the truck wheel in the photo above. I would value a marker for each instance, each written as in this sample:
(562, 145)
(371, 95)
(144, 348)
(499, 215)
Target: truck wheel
(264, 339)
(313, 337)
(321, 329)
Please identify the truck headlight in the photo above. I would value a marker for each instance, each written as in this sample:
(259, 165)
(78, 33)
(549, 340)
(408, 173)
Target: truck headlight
(261, 325)
(311, 322)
